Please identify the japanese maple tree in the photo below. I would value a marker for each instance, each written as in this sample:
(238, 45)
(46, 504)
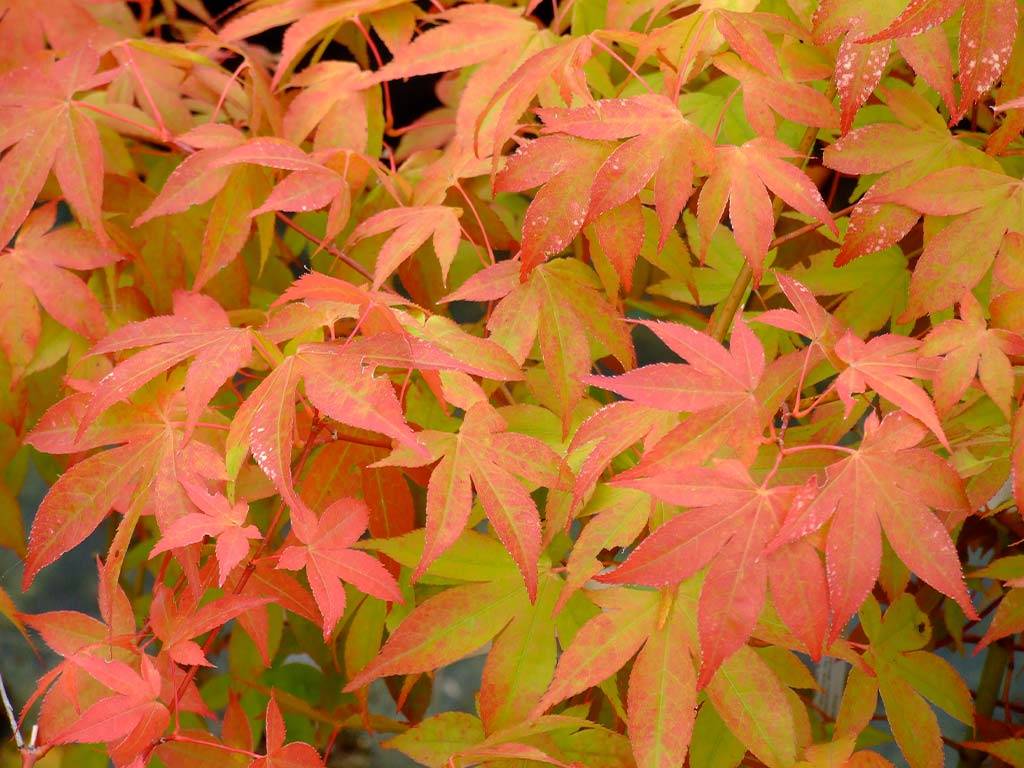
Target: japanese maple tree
(665, 354)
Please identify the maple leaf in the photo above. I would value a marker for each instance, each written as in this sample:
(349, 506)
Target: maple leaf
(741, 179)
(688, 42)
(560, 309)
(304, 191)
(691, 386)
(662, 685)
(1009, 615)
(99, 657)
(328, 559)
(486, 457)
(661, 704)
(765, 95)
(412, 227)
(903, 153)
(862, 57)
(444, 628)
(721, 389)
(405, 351)
(620, 234)
(603, 645)
(275, 586)
(175, 623)
(451, 737)
(439, 343)
(750, 699)
(198, 329)
(929, 56)
(474, 557)
(77, 503)
(26, 28)
(133, 704)
(295, 754)
(886, 364)
(807, 318)
(464, 35)
(53, 131)
(69, 633)
(730, 522)
(338, 386)
(230, 170)
(392, 339)
(237, 730)
(1008, 620)
(145, 469)
(433, 741)
(227, 228)
(618, 515)
(566, 167)
(916, 18)
(986, 203)
(219, 519)
(609, 432)
(332, 93)
(196, 180)
(585, 181)
(512, 751)
(746, 34)
(320, 290)
(305, 26)
(874, 288)
(662, 145)
(859, 69)
(987, 33)
(520, 662)
(906, 676)
(560, 62)
(885, 485)
(37, 271)
(970, 348)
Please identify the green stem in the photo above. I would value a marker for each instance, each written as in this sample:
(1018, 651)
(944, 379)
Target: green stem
(997, 659)
(725, 311)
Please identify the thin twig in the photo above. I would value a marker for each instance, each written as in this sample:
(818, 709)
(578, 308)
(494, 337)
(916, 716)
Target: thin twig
(10, 714)
(814, 225)
(184, 739)
(335, 252)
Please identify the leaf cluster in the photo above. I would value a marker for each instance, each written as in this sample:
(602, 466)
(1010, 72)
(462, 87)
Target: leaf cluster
(669, 360)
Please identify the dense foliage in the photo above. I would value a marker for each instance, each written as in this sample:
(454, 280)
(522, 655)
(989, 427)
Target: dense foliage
(356, 398)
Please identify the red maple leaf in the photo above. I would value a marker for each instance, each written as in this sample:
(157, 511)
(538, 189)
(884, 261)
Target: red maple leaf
(133, 704)
(885, 485)
(730, 521)
(39, 270)
(720, 388)
(741, 179)
(485, 456)
(295, 754)
(217, 518)
(327, 556)
(200, 329)
(176, 622)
